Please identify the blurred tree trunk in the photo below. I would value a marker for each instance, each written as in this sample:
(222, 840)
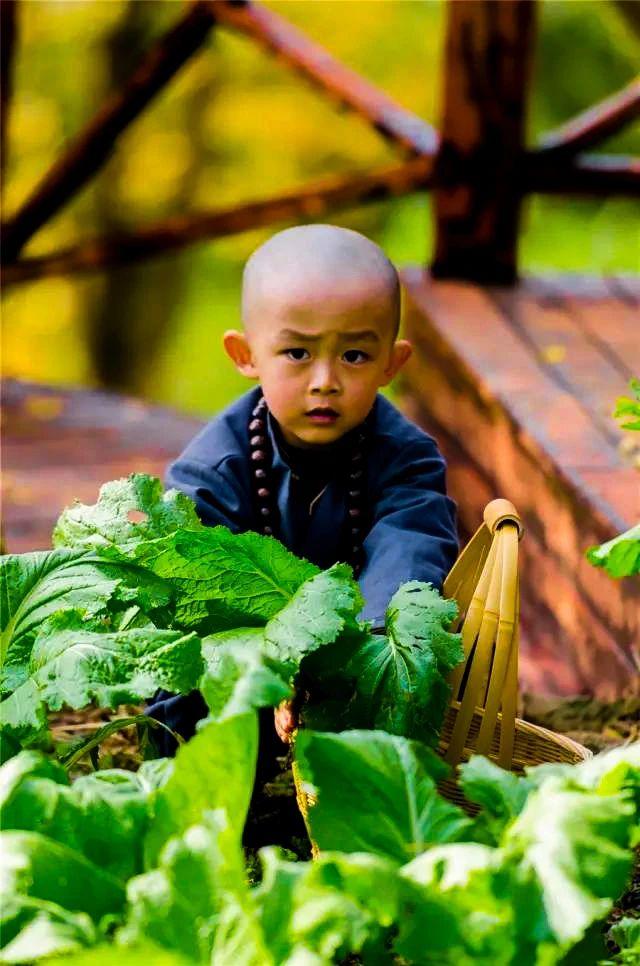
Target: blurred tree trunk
(127, 326)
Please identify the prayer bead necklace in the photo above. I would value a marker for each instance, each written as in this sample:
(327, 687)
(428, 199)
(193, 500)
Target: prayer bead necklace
(261, 457)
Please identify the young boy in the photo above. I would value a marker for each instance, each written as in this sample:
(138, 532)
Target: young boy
(314, 455)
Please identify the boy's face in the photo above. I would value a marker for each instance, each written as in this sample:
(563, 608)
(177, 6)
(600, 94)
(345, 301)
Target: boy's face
(320, 360)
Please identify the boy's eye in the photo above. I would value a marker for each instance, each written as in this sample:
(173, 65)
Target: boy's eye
(298, 355)
(355, 356)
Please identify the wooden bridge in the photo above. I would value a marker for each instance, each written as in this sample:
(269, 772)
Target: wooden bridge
(516, 377)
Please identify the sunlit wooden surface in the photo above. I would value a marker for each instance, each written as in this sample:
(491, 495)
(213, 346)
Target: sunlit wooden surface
(518, 385)
(59, 444)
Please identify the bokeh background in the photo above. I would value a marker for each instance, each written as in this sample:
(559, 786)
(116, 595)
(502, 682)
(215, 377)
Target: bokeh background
(235, 125)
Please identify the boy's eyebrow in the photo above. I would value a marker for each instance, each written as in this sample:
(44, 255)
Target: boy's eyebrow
(362, 335)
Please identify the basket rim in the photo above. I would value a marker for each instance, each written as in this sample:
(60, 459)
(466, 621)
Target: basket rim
(528, 728)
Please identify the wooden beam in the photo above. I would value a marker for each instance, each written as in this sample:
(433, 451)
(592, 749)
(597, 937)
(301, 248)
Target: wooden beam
(630, 12)
(93, 145)
(311, 202)
(345, 86)
(477, 202)
(588, 174)
(8, 18)
(594, 125)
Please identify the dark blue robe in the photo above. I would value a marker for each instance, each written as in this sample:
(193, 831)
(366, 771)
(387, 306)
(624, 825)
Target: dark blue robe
(410, 522)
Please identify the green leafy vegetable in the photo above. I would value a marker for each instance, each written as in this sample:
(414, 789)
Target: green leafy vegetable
(501, 794)
(73, 666)
(223, 580)
(376, 793)
(144, 952)
(42, 868)
(620, 557)
(33, 929)
(626, 935)
(177, 905)
(629, 407)
(101, 816)
(238, 677)
(400, 678)
(324, 910)
(461, 914)
(103, 590)
(214, 770)
(576, 848)
(111, 521)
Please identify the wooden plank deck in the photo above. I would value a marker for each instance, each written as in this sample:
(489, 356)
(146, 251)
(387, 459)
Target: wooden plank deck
(59, 444)
(518, 385)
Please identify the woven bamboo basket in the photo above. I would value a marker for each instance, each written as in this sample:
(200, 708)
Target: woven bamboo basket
(481, 718)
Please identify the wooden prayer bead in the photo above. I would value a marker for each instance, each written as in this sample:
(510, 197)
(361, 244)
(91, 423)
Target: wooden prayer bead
(260, 474)
(264, 493)
(265, 511)
(257, 441)
(256, 425)
(354, 512)
(258, 456)
(354, 494)
(268, 532)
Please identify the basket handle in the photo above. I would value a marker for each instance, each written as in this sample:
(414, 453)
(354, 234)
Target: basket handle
(484, 581)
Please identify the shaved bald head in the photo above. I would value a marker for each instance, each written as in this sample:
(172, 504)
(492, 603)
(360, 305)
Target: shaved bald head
(319, 264)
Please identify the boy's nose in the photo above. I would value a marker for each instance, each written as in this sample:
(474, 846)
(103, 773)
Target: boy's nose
(324, 380)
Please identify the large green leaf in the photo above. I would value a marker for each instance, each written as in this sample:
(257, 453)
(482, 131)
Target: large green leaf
(620, 557)
(73, 666)
(328, 909)
(609, 773)
(214, 770)
(325, 606)
(32, 929)
(576, 847)
(102, 816)
(36, 866)
(127, 511)
(239, 677)
(143, 952)
(626, 407)
(376, 793)
(255, 667)
(104, 591)
(400, 677)
(177, 905)
(462, 910)
(500, 793)
(224, 580)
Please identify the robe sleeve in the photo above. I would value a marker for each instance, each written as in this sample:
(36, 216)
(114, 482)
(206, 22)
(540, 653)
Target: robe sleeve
(413, 531)
(218, 496)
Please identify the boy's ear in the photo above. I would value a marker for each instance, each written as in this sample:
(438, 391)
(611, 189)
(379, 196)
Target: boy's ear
(239, 351)
(400, 353)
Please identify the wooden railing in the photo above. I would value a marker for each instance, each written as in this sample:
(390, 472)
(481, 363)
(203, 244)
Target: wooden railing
(478, 167)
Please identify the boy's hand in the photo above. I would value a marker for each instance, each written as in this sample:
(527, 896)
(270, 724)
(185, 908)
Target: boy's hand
(286, 720)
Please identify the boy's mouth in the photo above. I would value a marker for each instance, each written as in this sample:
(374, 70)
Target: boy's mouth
(323, 415)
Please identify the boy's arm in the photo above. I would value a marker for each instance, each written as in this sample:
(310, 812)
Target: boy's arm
(413, 533)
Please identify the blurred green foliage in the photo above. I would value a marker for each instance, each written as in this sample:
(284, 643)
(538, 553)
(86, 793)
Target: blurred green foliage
(236, 125)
